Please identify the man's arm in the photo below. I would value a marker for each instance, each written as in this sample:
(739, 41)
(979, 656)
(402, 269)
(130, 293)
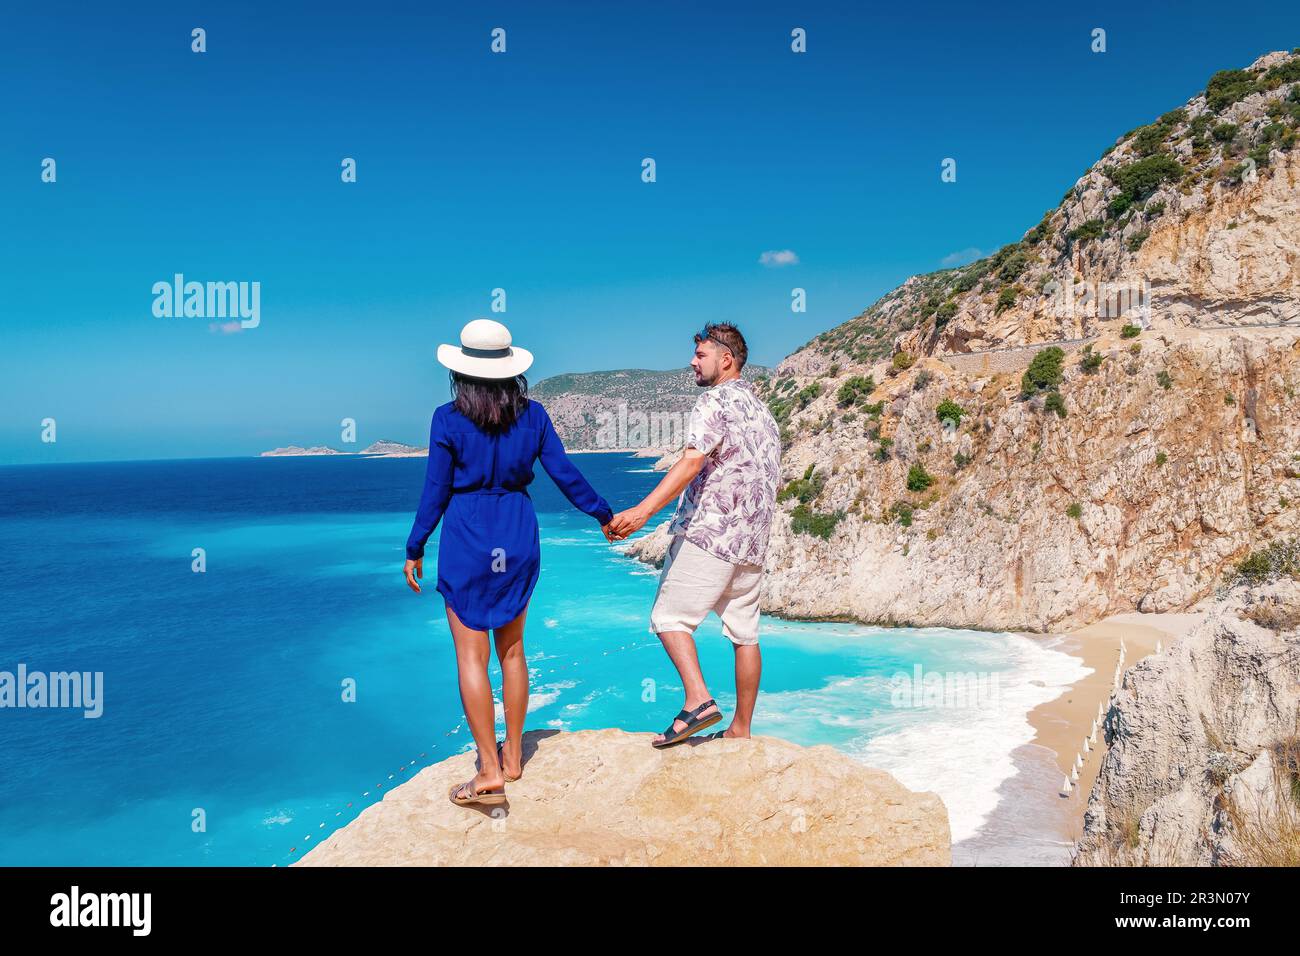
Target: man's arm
(669, 487)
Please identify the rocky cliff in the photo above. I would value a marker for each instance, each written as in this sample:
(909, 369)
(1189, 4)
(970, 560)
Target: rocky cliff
(1203, 759)
(607, 797)
(1098, 418)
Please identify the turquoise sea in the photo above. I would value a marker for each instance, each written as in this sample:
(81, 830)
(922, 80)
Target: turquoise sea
(223, 691)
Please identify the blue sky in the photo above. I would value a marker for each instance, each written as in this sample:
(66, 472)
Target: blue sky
(519, 170)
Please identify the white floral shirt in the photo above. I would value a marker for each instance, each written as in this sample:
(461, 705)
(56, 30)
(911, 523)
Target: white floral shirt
(727, 508)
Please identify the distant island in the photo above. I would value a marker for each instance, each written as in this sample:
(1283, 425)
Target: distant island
(393, 449)
(380, 449)
(292, 451)
(623, 410)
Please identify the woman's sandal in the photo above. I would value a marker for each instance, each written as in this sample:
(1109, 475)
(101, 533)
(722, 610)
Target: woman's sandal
(464, 794)
(694, 723)
(501, 759)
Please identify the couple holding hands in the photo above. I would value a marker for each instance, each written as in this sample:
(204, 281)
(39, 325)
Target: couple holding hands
(482, 448)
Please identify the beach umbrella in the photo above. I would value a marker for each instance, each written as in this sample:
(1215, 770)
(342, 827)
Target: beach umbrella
(1065, 787)
(1074, 774)
(1087, 748)
(1159, 647)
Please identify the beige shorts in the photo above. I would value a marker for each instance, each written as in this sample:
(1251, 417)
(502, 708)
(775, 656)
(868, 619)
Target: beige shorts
(694, 582)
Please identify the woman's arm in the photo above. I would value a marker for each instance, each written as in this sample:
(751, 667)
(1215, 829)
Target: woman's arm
(433, 500)
(567, 477)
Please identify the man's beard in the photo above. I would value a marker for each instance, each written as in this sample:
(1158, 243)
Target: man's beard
(704, 381)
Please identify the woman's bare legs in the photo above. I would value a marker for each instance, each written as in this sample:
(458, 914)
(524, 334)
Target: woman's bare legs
(514, 691)
(476, 697)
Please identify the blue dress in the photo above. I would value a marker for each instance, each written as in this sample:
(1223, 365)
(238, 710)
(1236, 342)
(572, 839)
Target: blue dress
(489, 553)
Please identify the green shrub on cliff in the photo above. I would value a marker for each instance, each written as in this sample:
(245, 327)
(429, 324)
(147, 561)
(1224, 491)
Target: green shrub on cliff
(1228, 86)
(1007, 298)
(1279, 559)
(918, 479)
(1044, 372)
(1092, 229)
(1140, 179)
(807, 394)
(806, 489)
(949, 411)
(855, 390)
(803, 520)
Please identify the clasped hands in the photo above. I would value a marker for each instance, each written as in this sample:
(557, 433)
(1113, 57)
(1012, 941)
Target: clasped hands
(625, 523)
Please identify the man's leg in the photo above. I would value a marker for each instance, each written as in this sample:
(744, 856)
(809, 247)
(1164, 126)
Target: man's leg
(680, 646)
(749, 668)
(688, 588)
(738, 609)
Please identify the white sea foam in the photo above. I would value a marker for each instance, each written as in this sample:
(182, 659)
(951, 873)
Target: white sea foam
(575, 709)
(548, 694)
(964, 754)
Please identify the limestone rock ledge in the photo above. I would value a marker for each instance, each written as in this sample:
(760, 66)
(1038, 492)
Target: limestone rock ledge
(606, 797)
(1204, 744)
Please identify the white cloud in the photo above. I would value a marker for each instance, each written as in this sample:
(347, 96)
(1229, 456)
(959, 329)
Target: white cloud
(961, 257)
(775, 258)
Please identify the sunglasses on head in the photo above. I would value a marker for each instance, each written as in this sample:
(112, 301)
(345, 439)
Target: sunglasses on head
(703, 334)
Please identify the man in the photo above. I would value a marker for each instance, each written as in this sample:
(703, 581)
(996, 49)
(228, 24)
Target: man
(729, 470)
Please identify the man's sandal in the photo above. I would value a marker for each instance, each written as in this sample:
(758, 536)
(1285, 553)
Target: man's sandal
(694, 723)
(464, 794)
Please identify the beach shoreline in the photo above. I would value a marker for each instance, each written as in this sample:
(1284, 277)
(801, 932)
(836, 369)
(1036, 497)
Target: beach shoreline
(1061, 724)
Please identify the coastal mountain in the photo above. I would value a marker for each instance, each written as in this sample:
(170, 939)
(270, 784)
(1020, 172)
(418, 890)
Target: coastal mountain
(1100, 417)
(629, 409)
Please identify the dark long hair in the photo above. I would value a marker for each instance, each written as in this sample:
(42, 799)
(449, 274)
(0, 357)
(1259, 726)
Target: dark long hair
(493, 404)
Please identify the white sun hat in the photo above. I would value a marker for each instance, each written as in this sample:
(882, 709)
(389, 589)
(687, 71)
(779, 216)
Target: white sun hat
(485, 352)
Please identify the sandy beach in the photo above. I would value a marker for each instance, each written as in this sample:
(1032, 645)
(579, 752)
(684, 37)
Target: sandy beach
(1033, 824)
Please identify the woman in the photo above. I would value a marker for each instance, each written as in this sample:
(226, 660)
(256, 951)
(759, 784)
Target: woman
(482, 446)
